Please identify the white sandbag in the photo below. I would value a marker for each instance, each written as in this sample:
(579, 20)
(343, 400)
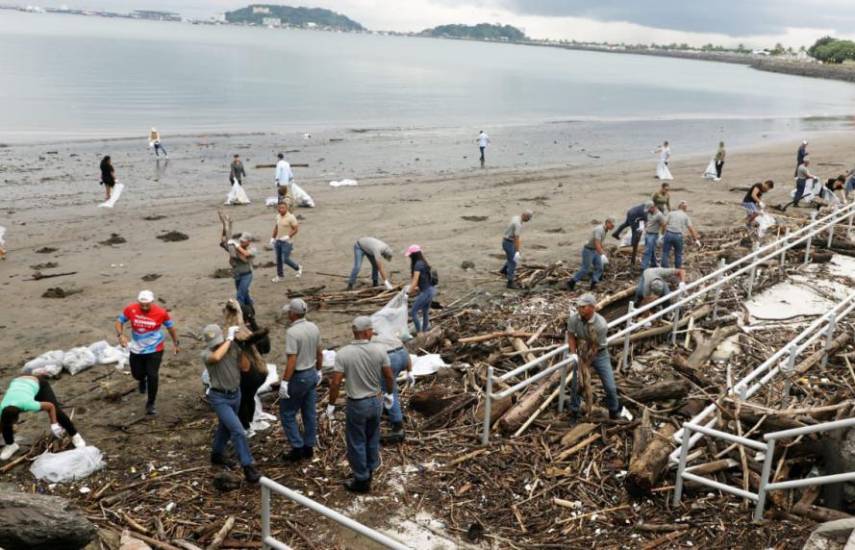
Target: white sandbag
(48, 363)
(329, 359)
(301, 198)
(711, 173)
(272, 378)
(271, 201)
(427, 364)
(391, 321)
(67, 465)
(114, 196)
(236, 195)
(343, 183)
(813, 190)
(78, 360)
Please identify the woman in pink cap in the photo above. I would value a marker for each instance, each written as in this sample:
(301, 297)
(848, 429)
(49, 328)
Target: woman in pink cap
(424, 282)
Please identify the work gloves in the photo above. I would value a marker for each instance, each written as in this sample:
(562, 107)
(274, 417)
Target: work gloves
(388, 400)
(517, 258)
(330, 414)
(57, 430)
(388, 285)
(283, 390)
(232, 332)
(604, 259)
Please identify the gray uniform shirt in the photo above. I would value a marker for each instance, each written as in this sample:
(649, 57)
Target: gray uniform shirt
(373, 247)
(598, 234)
(514, 228)
(802, 172)
(225, 374)
(678, 222)
(595, 330)
(362, 363)
(239, 265)
(653, 273)
(655, 222)
(303, 340)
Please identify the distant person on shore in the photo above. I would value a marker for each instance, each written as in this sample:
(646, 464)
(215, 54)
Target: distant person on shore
(423, 283)
(719, 160)
(284, 175)
(676, 224)
(374, 249)
(636, 217)
(108, 176)
(237, 172)
(32, 394)
(593, 256)
(801, 155)
(803, 174)
(662, 198)
(511, 245)
(483, 140)
(753, 203)
(154, 141)
(241, 252)
(284, 231)
(663, 171)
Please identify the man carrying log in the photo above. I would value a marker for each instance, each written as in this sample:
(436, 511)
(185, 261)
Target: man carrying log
(587, 325)
(593, 256)
(656, 282)
(636, 217)
(511, 246)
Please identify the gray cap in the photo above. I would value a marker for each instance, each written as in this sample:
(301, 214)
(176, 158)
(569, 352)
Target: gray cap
(649, 204)
(296, 306)
(529, 213)
(246, 237)
(658, 287)
(361, 323)
(586, 300)
(386, 253)
(213, 335)
(609, 219)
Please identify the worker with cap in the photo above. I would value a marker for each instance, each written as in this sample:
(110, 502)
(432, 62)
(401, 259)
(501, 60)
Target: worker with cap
(593, 256)
(585, 324)
(241, 253)
(511, 246)
(656, 282)
(676, 224)
(373, 249)
(801, 155)
(636, 217)
(367, 372)
(399, 361)
(224, 362)
(146, 345)
(301, 376)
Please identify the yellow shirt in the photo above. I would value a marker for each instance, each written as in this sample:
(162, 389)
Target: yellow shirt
(284, 225)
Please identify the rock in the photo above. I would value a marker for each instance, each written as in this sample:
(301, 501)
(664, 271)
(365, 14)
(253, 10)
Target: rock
(115, 238)
(467, 265)
(173, 236)
(39, 522)
(831, 535)
(225, 481)
(46, 250)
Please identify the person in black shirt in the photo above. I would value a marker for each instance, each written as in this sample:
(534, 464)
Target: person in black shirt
(752, 203)
(422, 283)
(108, 176)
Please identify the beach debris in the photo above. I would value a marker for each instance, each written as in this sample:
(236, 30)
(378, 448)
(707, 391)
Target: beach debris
(38, 275)
(467, 265)
(46, 250)
(46, 265)
(474, 218)
(41, 522)
(59, 292)
(154, 218)
(151, 277)
(114, 239)
(344, 183)
(222, 273)
(173, 236)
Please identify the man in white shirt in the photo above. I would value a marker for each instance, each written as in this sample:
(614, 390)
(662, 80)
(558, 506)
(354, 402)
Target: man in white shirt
(284, 175)
(483, 140)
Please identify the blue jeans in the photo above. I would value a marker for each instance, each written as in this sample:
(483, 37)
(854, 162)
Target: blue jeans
(301, 389)
(242, 284)
(675, 241)
(358, 255)
(510, 267)
(800, 191)
(157, 148)
(226, 406)
(421, 305)
(362, 424)
(649, 259)
(283, 257)
(590, 259)
(399, 361)
(602, 364)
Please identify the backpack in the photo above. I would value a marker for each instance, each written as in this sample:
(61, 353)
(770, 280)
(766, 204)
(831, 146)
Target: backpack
(434, 277)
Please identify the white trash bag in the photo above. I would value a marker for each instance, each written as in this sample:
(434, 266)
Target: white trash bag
(301, 198)
(236, 195)
(68, 465)
(711, 173)
(114, 196)
(344, 183)
(427, 364)
(764, 222)
(48, 363)
(78, 360)
(105, 354)
(391, 321)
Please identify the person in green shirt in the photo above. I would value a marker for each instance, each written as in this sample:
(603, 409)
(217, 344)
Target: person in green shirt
(32, 394)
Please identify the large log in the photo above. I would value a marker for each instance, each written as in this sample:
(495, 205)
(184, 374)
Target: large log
(661, 391)
(425, 340)
(681, 365)
(839, 342)
(641, 436)
(818, 513)
(705, 349)
(40, 522)
(526, 406)
(647, 469)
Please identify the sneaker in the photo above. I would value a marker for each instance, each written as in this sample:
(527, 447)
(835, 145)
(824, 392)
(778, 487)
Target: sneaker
(593, 285)
(251, 474)
(296, 455)
(308, 452)
(358, 485)
(219, 460)
(150, 409)
(77, 441)
(8, 451)
(276, 279)
(571, 284)
(622, 414)
(299, 272)
(141, 386)
(512, 285)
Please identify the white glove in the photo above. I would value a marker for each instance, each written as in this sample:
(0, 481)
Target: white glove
(411, 378)
(57, 430)
(232, 333)
(388, 400)
(698, 242)
(272, 241)
(517, 258)
(762, 205)
(406, 291)
(283, 390)
(604, 259)
(682, 286)
(388, 284)
(330, 412)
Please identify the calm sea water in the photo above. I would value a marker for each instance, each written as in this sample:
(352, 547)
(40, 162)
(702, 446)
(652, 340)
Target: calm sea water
(71, 77)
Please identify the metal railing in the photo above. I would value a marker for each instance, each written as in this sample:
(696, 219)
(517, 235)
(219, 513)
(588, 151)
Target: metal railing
(767, 447)
(269, 541)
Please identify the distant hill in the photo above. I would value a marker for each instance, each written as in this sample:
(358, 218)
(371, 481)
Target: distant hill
(268, 14)
(482, 31)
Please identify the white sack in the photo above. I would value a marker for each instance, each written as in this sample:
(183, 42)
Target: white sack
(711, 173)
(343, 183)
(48, 363)
(78, 360)
(114, 196)
(427, 364)
(301, 198)
(391, 321)
(237, 195)
(67, 465)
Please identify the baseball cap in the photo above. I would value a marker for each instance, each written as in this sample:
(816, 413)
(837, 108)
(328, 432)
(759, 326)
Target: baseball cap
(412, 250)
(529, 213)
(362, 322)
(649, 204)
(246, 236)
(297, 306)
(213, 335)
(586, 300)
(658, 287)
(145, 297)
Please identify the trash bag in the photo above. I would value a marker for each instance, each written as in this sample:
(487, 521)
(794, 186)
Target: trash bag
(329, 359)
(68, 465)
(105, 354)
(78, 360)
(711, 173)
(48, 363)
(114, 196)
(764, 222)
(391, 321)
(237, 195)
(427, 364)
(343, 183)
(301, 198)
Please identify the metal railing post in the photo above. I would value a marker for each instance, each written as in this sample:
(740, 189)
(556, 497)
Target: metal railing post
(764, 480)
(830, 235)
(721, 264)
(684, 453)
(265, 517)
(625, 357)
(810, 238)
(753, 274)
(784, 251)
(829, 336)
(788, 371)
(677, 313)
(562, 387)
(849, 228)
(488, 412)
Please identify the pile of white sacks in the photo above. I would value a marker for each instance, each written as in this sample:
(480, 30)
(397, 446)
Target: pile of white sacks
(75, 360)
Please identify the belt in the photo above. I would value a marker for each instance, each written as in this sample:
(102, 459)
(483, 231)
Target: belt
(225, 392)
(396, 350)
(590, 248)
(507, 239)
(364, 398)
(674, 233)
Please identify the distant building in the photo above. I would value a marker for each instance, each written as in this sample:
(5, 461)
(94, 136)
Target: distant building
(260, 9)
(311, 25)
(155, 15)
(271, 21)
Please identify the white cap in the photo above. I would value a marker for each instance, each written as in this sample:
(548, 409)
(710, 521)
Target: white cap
(145, 297)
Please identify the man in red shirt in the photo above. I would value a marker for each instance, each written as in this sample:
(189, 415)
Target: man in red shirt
(146, 345)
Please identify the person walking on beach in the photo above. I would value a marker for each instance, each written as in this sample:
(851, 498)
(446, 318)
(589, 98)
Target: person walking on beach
(663, 171)
(284, 231)
(719, 160)
(511, 244)
(154, 141)
(636, 217)
(33, 394)
(108, 176)
(373, 249)
(662, 198)
(801, 155)
(241, 253)
(483, 140)
(803, 174)
(593, 256)
(237, 172)
(146, 345)
(301, 376)
(225, 361)
(652, 231)
(284, 175)
(367, 372)
(753, 203)
(676, 224)
(423, 283)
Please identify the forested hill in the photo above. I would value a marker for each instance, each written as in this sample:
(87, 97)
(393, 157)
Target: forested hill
(267, 14)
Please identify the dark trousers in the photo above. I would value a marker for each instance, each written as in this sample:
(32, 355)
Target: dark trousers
(249, 384)
(800, 191)
(510, 267)
(719, 166)
(157, 148)
(633, 224)
(44, 395)
(146, 367)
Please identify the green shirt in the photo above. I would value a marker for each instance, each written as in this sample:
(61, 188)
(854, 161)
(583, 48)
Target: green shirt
(22, 394)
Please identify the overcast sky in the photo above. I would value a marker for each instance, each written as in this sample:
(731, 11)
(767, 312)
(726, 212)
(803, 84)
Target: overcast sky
(729, 22)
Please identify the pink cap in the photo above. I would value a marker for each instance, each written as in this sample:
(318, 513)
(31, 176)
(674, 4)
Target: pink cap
(412, 250)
